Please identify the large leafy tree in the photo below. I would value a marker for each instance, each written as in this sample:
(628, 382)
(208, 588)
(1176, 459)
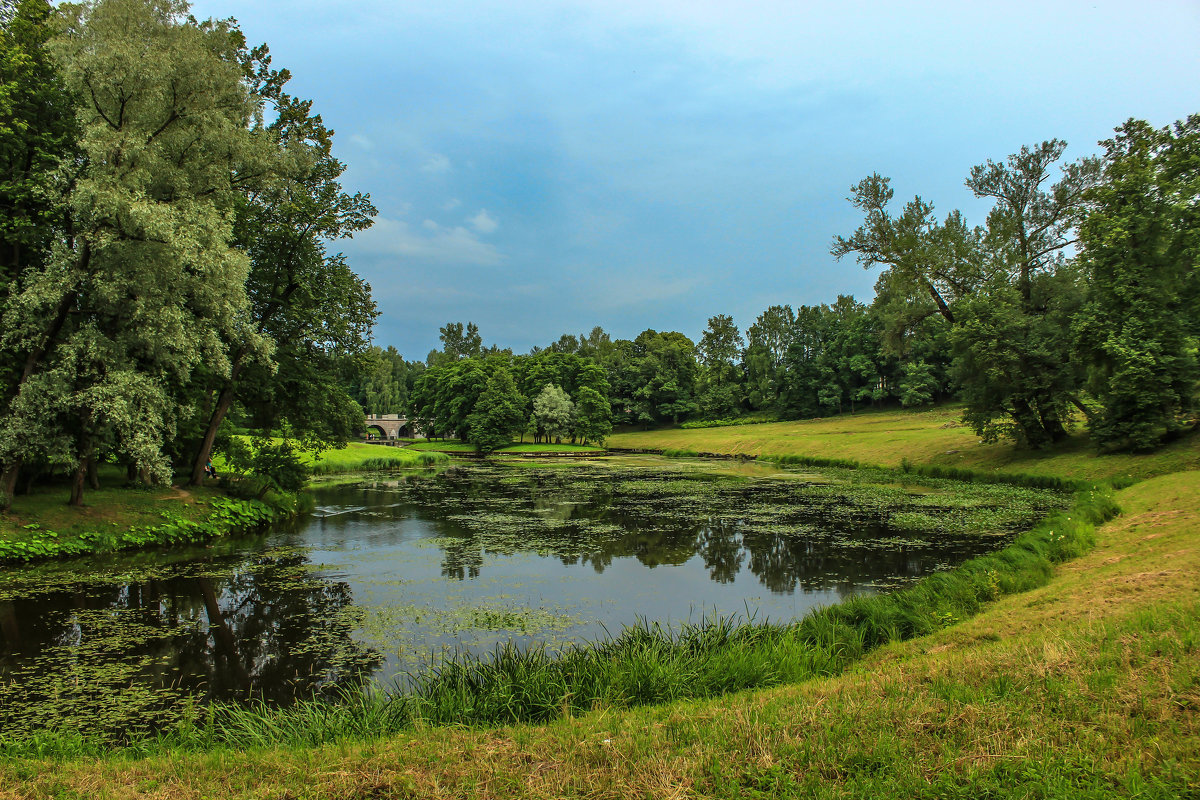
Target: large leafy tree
(1014, 343)
(1140, 247)
(1007, 292)
(308, 305)
(720, 350)
(553, 414)
(498, 415)
(144, 283)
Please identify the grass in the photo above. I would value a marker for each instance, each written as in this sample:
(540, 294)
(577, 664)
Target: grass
(44, 516)
(929, 437)
(359, 457)
(452, 446)
(1088, 686)
(117, 517)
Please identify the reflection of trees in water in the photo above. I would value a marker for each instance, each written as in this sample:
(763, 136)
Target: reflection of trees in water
(111, 658)
(785, 536)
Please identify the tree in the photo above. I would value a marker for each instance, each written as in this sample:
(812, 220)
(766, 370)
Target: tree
(1140, 246)
(930, 265)
(720, 349)
(499, 414)
(1012, 281)
(1014, 343)
(593, 416)
(305, 304)
(553, 414)
(145, 280)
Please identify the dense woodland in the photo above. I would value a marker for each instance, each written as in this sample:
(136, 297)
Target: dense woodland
(168, 222)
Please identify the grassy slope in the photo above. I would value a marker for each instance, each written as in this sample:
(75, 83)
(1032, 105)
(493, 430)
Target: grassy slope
(1088, 687)
(465, 447)
(927, 436)
(114, 507)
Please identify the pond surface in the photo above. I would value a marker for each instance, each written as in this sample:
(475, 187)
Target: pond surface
(388, 573)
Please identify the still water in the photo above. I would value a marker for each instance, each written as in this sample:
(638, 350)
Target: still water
(387, 574)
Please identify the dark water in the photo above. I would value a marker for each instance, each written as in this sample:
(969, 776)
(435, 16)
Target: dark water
(386, 574)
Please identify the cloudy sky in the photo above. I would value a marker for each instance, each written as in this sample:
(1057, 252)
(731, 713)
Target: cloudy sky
(543, 167)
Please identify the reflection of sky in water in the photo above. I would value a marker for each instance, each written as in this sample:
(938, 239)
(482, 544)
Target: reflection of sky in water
(385, 575)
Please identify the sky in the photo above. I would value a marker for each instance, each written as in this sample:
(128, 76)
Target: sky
(543, 167)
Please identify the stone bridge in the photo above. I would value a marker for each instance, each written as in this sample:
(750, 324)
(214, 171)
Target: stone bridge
(389, 426)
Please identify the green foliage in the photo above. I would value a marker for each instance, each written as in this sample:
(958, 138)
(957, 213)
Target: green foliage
(593, 416)
(499, 415)
(1140, 247)
(553, 414)
(228, 516)
(750, 419)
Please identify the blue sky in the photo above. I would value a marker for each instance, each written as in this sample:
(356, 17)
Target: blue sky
(544, 167)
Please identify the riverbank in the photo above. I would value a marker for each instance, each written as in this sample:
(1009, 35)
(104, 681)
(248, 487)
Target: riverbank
(522, 449)
(41, 525)
(927, 437)
(1086, 687)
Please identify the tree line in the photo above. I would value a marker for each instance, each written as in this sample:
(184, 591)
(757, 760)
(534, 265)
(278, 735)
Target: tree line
(166, 209)
(1078, 299)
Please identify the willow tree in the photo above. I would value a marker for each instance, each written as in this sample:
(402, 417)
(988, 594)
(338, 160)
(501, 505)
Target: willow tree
(144, 283)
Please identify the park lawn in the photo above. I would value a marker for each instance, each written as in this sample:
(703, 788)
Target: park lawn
(361, 457)
(1088, 687)
(453, 446)
(934, 436)
(112, 507)
(354, 457)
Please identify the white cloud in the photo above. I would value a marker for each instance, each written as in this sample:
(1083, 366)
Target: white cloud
(430, 242)
(451, 204)
(484, 222)
(361, 141)
(436, 164)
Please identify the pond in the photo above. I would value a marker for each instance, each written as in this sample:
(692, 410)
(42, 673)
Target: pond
(389, 573)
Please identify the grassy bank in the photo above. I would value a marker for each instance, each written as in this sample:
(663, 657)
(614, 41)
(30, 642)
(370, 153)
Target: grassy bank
(466, 447)
(929, 437)
(360, 457)
(41, 524)
(1088, 686)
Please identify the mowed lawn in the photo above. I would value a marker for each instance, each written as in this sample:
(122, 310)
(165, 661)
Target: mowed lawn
(1086, 688)
(925, 436)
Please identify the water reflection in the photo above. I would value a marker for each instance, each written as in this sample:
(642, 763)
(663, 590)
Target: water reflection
(89, 651)
(387, 574)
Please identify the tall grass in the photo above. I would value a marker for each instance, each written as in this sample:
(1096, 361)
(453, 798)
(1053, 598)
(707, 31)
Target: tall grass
(645, 663)
(394, 459)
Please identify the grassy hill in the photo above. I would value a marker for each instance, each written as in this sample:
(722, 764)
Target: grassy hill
(925, 436)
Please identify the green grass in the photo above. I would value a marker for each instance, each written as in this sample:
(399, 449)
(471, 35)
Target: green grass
(42, 524)
(453, 446)
(928, 437)
(359, 457)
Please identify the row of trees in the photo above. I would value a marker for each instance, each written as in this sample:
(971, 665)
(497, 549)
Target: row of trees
(165, 209)
(1078, 298)
(1080, 293)
(488, 400)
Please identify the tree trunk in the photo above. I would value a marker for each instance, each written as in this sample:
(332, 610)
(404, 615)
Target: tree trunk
(77, 484)
(8, 484)
(1029, 423)
(79, 480)
(224, 401)
(93, 474)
